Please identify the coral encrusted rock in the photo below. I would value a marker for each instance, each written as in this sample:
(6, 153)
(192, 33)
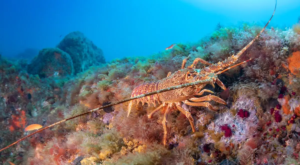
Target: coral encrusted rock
(51, 62)
(83, 52)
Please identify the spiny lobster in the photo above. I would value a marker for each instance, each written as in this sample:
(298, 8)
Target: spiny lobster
(191, 95)
(180, 87)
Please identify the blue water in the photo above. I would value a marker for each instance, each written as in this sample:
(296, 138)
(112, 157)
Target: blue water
(123, 28)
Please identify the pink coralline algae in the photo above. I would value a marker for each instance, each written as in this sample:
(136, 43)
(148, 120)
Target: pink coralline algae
(243, 113)
(227, 130)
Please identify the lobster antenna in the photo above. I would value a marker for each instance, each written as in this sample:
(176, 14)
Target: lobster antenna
(256, 37)
(233, 66)
(109, 105)
(249, 44)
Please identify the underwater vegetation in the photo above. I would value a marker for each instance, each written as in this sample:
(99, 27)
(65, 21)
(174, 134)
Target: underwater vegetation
(257, 124)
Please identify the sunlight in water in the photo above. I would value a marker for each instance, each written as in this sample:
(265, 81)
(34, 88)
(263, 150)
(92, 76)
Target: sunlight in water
(215, 5)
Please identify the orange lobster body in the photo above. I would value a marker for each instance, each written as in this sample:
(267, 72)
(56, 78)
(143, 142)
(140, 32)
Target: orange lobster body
(176, 78)
(173, 99)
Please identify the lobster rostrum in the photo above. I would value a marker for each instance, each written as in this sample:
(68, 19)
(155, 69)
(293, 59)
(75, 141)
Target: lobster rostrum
(185, 86)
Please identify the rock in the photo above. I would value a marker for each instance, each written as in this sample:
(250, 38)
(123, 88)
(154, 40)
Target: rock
(83, 52)
(51, 62)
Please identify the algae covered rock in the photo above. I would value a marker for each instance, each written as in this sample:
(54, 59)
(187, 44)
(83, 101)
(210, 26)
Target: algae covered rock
(4, 63)
(83, 52)
(51, 62)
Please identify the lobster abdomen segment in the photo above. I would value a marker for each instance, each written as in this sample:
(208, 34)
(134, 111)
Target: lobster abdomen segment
(146, 88)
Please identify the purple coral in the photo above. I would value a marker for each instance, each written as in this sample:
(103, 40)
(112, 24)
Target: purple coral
(206, 148)
(283, 89)
(272, 111)
(227, 130)
(278, 117)
(243, 113)
(278, 106)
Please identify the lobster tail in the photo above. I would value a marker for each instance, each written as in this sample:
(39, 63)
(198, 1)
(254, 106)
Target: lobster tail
(142, 89)
(146, 88)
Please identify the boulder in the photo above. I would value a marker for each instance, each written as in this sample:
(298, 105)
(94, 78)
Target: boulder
(51, 62)
(83, 52)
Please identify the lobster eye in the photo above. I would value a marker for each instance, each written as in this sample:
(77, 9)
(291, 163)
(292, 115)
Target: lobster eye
(189, 74)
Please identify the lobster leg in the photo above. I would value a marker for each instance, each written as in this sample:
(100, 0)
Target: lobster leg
(220, 83)
(184, 62)
(169, 74)
(155, 110)
(187, 115)
(209, 98)
(197, 60)
(203, 104)
(202, 92)
(212, 83)
(164, 123)
(129, 108)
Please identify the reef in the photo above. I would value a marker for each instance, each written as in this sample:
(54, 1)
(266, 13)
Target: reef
(74, 54)
(258, 125)
(84, 52)
(51, 62)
